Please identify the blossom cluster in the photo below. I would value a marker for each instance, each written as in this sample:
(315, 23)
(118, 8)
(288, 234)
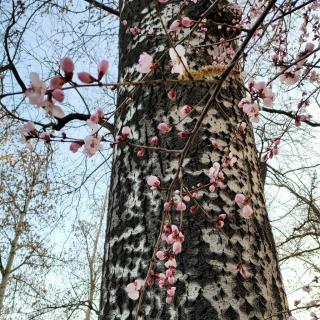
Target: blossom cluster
(272, 150)
(244, 203)
(172, 236)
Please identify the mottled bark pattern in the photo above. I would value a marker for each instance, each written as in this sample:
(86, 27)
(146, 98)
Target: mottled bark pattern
(208, 285)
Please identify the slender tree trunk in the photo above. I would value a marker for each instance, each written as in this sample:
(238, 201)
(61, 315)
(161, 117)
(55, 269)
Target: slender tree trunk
(208, 286)
(11, 256)
(92, 261)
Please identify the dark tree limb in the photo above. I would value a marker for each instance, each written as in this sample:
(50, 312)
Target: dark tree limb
(103, 7)
(290, 115)
(5, 68)
(76, 116)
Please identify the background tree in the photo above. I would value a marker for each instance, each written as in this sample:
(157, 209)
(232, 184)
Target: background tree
(26, 207)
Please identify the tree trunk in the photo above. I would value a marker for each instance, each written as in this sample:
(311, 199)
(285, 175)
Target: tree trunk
(208, 286)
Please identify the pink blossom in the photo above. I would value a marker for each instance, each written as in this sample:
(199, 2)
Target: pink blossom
(45, 136)
(75, 146)
(193, 209)
(309, 47)
(171, 263)
(141, 153)
(58, 95)
(164, 128)
(301, 118)
(242, 127)
(186, 198)
(259, 86)
(155, 141)
(67, 65)
(255, 113)
(172, 94)
(216, 177)
(314, 76)
(185, 110)
(220, 221)
(126, 131)
(100, 112)
(171, 292)
(92, 144)
(170, 272)
(86, 77)
(180, 206)
(247, 211)
(306, 288)
(150, 281)
(214, 170)
(27, 130)
(53, 110)
(296, 302)
(56, 82)
(176, 238)
(313, 316)
(150, 31)
(240, 199)
(145, 63)
(250, 108)
(164, 1)
(133, 289)
(119, 139)
(241, 270)
(167, 206)
(37, 90)
(265, 93)
(94, 118)
(290, 77)
(177, 247)
(175, 26)
(187, 22)
(313, 303)
(169, 299)
(171, 279)
(229, 161)
(102, 68)
(153, 182)
(182, 134)
(161, 255)
(134, 30)
(179, 62)
(246, 105)
(162, 279)
(151, 278)
(93, 123)
(217, 145)
(29, 127)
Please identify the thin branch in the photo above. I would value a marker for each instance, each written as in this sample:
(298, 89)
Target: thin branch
(289, 311)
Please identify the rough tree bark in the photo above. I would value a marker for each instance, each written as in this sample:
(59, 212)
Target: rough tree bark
(208, 285)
